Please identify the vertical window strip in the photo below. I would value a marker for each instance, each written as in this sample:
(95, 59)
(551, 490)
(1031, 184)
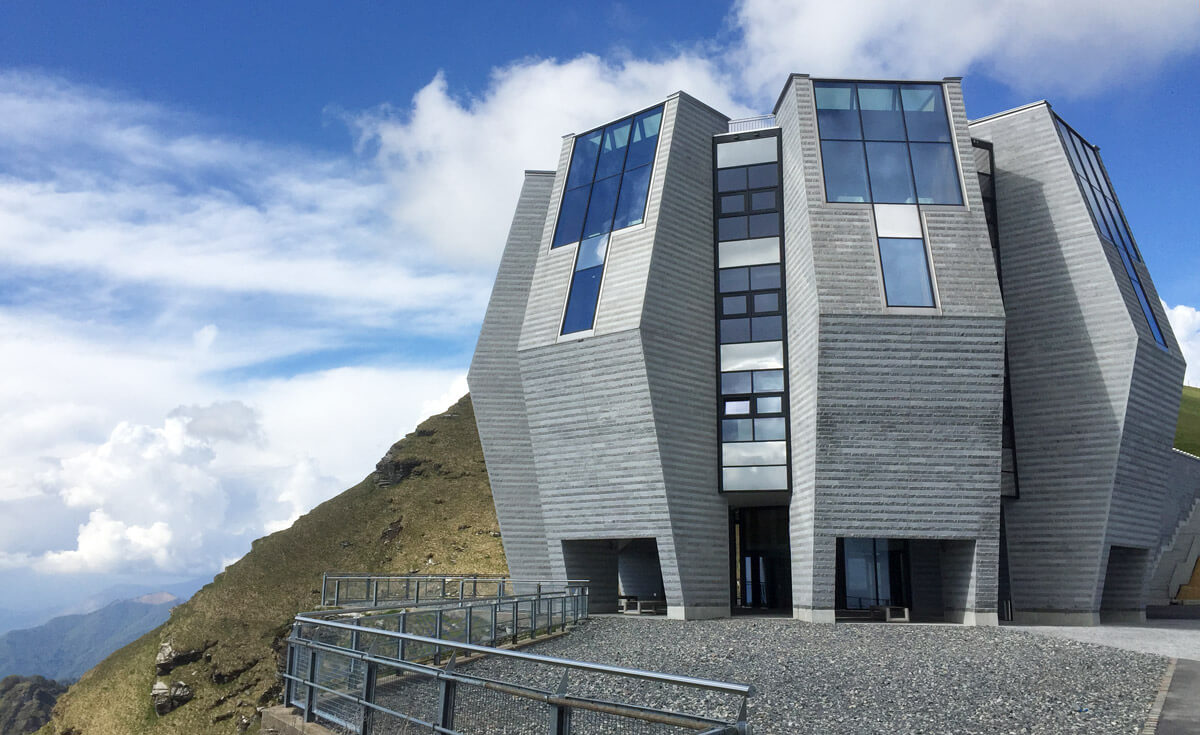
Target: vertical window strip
(578, 221)
(1107, 217)
(752, 421)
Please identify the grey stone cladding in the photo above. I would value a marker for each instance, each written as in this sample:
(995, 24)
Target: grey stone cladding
(896, 419)
(603, 446)
(1095, 399)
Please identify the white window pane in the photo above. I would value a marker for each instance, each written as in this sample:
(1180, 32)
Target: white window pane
(749, 252)
(897, 220)
(752, 356)
(753, 453)
(754, 478)
(746, 152)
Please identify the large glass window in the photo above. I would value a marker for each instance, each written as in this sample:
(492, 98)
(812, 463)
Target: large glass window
(1107, 214)
(607, 185)
(905, 272)
(887, 143)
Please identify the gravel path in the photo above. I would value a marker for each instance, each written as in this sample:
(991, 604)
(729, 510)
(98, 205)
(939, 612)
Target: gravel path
(863, 678)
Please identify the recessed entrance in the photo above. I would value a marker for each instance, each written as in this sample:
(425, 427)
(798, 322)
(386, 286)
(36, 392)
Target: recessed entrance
(760, 556)
(872, 573)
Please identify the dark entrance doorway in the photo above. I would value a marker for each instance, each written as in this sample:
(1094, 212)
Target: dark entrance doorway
(872, 572)
(761, 573)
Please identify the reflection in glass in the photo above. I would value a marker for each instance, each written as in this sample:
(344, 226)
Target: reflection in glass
(737, 407)
(733, 383)
(936, 173)
(731, 228)
(735, 330)
(581, 301)
(733, 203)
(905, 272)
(737, 430)
(766, 302)
(600, 208)
(766, 328)
(612, 154)
(735, 279)
(768, 381)
(760, 200)
(591, 252)
(645, 138)
(731, 305)
(764, 277)
(766, 429)
(891, 179)
(570, 217)
(764, 225)
(583, 160)
(882, 118)
(925, 112)
(769, 404)
(837, 110)
(845, 171)
(732, 179)
(631, 206)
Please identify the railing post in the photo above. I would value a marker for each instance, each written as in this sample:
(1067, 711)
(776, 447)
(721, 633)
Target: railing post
(561, 724)
(375, 593)
(443, 589)
(324, 587)
(494, 609)
(467, 623)
(417, 599)
(516, 620)
(446, 700)
(437, 633)
(310, 696)
(337, 592)
(461, 590)
(403, 629)
(368, 724)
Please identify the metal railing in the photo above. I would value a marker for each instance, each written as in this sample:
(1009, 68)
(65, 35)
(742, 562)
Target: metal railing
(375, 590)
(758, 122)
(361, 680)
(377, 674)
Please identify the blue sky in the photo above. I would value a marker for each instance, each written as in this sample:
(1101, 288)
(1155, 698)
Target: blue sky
(244, 247)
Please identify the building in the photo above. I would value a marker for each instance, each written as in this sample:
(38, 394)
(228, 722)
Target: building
(858, 353)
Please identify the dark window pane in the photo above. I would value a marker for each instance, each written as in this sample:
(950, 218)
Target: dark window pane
(925, 112)
(882, 118)
(600, 209)
(845, 171)
(737, 430)
(612, 154)
(570, 217)
(987, 186)
(731, 179)
(731, 228)
(1072, 153)
(631, 205)
(764, 277)
(733, 203)
(768, 404)
(1094, 206)
(731, 305)
(891, 179)
(732, 383)
(762, 176)
(581, 302)
(837, 110)
(760, 200)
(645, 138)
(936, 173)
(905, 272)
(764, 225)
(768, 381)
(736, 408)
(735, 330)
(766, 328)
(766, 302)
(583, 160)
(735, 279)
(591, 252)
(769, 429)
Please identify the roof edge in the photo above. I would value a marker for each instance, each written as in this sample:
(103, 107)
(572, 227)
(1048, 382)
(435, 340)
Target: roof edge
(1013, 111)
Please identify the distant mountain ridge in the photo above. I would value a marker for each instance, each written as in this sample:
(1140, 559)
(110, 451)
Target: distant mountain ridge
(67, 646)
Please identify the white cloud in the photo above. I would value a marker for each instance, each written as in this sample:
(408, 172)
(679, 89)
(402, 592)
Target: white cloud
(1067, 47)
(455, 162)
(1185, 323)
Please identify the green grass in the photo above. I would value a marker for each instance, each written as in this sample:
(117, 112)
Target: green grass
(1187, 432)
(441, 512)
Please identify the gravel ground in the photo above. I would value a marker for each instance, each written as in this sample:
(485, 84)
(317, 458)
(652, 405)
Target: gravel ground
(857, 678)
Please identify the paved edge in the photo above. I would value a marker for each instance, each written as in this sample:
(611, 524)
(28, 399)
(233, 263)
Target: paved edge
(1151, 725)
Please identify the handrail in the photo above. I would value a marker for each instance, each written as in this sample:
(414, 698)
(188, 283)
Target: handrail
(745, 690)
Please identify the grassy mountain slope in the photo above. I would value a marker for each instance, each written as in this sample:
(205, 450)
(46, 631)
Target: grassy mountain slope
(25, 703)
(427, 508)
(1187, 433)
(69, 645)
